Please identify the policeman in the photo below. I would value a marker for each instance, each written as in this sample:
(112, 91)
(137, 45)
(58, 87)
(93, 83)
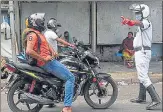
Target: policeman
(142, 46)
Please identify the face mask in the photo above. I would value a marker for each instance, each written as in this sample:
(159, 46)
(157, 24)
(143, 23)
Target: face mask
(138, 17)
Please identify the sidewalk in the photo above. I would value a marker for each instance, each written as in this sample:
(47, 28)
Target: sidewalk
(123, 75)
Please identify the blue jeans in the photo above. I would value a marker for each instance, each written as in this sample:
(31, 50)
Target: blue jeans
(59, 70)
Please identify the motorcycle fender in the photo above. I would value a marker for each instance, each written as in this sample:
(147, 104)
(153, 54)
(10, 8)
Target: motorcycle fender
(83, 87)
(103, 75)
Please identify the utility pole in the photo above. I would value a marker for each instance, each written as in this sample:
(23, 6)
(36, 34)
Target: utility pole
(93, 26)
(17, 22)
(13, 38)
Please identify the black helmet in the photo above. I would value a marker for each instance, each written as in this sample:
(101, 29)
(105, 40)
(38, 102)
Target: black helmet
(36, 21)
(52, 24)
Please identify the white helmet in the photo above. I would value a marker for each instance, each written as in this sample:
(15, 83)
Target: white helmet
(140, 8)
(36, 21)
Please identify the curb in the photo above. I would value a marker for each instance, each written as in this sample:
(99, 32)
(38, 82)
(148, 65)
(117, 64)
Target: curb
(126, 78)
(135, 81)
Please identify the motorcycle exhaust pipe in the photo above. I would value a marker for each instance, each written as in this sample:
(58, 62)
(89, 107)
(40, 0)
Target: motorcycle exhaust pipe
(31, 98)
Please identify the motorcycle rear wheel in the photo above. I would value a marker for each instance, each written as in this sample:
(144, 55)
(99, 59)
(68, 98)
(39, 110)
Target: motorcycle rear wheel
(11, 103)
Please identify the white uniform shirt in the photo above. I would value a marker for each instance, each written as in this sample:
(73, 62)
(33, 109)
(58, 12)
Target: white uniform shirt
(145, 34)
(51, 37)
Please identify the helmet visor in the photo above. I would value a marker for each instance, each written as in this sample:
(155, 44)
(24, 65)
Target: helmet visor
(135, 7)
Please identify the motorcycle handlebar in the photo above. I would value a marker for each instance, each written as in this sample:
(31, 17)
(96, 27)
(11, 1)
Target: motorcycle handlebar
(73, 48)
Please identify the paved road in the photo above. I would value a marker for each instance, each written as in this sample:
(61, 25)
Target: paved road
(122, 103)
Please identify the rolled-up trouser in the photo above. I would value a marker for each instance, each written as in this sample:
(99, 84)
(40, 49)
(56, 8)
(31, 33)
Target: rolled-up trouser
(60, 71)
(142, 65)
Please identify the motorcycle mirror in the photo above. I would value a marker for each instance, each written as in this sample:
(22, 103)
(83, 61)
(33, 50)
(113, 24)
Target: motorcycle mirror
(59, 25)
(74, 39)
(81, 43)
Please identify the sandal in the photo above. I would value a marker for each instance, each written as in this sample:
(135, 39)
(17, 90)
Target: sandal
(67, 109)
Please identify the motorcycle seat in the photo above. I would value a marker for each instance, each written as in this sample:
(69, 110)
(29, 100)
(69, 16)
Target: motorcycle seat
(24, 66)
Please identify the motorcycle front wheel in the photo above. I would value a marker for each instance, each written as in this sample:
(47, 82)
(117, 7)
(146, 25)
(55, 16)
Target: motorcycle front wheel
(20, 106)
(95, 99)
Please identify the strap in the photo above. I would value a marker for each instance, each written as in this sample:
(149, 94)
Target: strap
(38, 38)
(145, 32)
(140, 47)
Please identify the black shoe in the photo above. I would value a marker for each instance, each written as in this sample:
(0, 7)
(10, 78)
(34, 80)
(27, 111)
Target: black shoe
(137, 100)
(153, 105)
(156, 101)
(142, 95)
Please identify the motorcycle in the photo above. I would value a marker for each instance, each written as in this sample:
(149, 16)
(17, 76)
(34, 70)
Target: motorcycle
(34, 87)
(11, 77)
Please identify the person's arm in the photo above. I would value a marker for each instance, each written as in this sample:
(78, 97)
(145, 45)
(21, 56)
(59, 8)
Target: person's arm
(125, 44)
(63, 42)
(60, 44)
(131, 22)
(31, 40)
(54, 36)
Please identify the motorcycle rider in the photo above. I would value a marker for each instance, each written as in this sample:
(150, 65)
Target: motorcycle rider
(45, 58)
(142, 46)
(51, 34)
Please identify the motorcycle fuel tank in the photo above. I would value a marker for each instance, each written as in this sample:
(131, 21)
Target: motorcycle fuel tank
(73, 64)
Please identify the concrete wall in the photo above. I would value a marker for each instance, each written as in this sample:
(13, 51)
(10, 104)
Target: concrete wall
(111, 32)
(157, 49)
(109, 28)
(107, 52)
(73, 16)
